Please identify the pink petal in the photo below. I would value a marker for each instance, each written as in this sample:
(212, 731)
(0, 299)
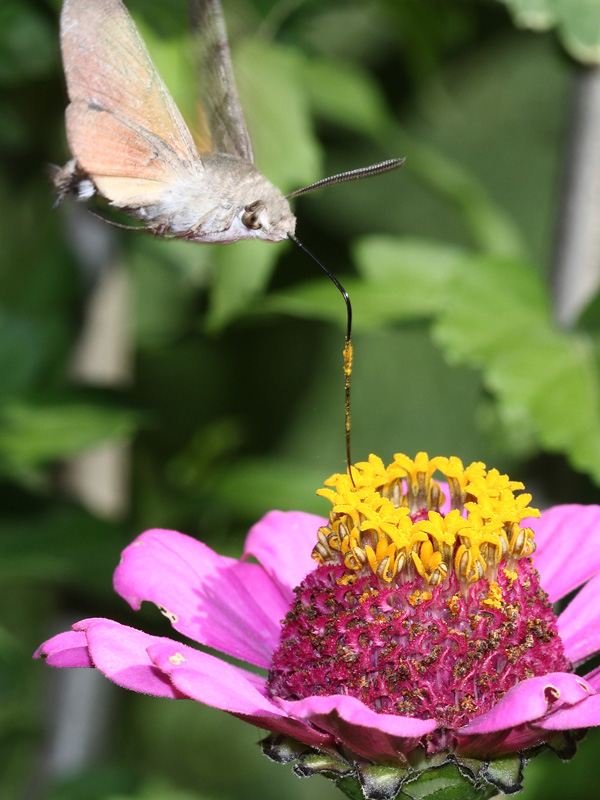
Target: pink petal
(282, 541)
(374, 736)
(579, 623)
(447, 504)
(568, 547)
(209, 680)
(119, 652)
(67, 649)
(593, 678)
(218, 601)
(583, 715)
(530, 700)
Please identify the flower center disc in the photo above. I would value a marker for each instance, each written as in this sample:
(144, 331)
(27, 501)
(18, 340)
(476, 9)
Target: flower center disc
(419, 606)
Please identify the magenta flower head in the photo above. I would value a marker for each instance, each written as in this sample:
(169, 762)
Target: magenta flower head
(420, 656)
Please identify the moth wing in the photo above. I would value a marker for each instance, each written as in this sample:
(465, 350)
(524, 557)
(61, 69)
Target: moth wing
(121, 122)
(128, 166)
(220, 111)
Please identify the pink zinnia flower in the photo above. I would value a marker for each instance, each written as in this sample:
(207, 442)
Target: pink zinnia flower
(423, 642)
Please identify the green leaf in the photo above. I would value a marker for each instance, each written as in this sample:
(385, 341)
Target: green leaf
(478, 126)
(21, 352)
(403, 279)
(492, 314)
(374, 305)
(492, 230)
(497, 319)
(539, 15)
(254, 486)
(159, 789)
(490, 304)
(32, 435)
(577, 23)
(60, 543)
(390, 408)
(309, 300)
(345, 94)
(412, 271)
(26, 43)
(166, 274)
(241, 273)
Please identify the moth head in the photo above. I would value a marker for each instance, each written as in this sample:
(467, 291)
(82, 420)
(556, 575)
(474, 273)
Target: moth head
(269, 217)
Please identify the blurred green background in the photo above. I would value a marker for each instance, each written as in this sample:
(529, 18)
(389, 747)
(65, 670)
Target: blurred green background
(160, 383)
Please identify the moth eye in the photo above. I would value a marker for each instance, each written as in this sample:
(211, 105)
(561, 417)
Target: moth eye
(250, 217)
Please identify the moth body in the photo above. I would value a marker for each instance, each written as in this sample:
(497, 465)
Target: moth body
(132, 147)
(227, 200)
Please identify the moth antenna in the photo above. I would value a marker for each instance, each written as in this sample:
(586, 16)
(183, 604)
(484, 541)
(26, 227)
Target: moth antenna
(352, 175)
(347, 347)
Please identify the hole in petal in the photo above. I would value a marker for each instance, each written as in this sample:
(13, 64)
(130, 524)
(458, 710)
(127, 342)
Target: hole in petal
(551, 693)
